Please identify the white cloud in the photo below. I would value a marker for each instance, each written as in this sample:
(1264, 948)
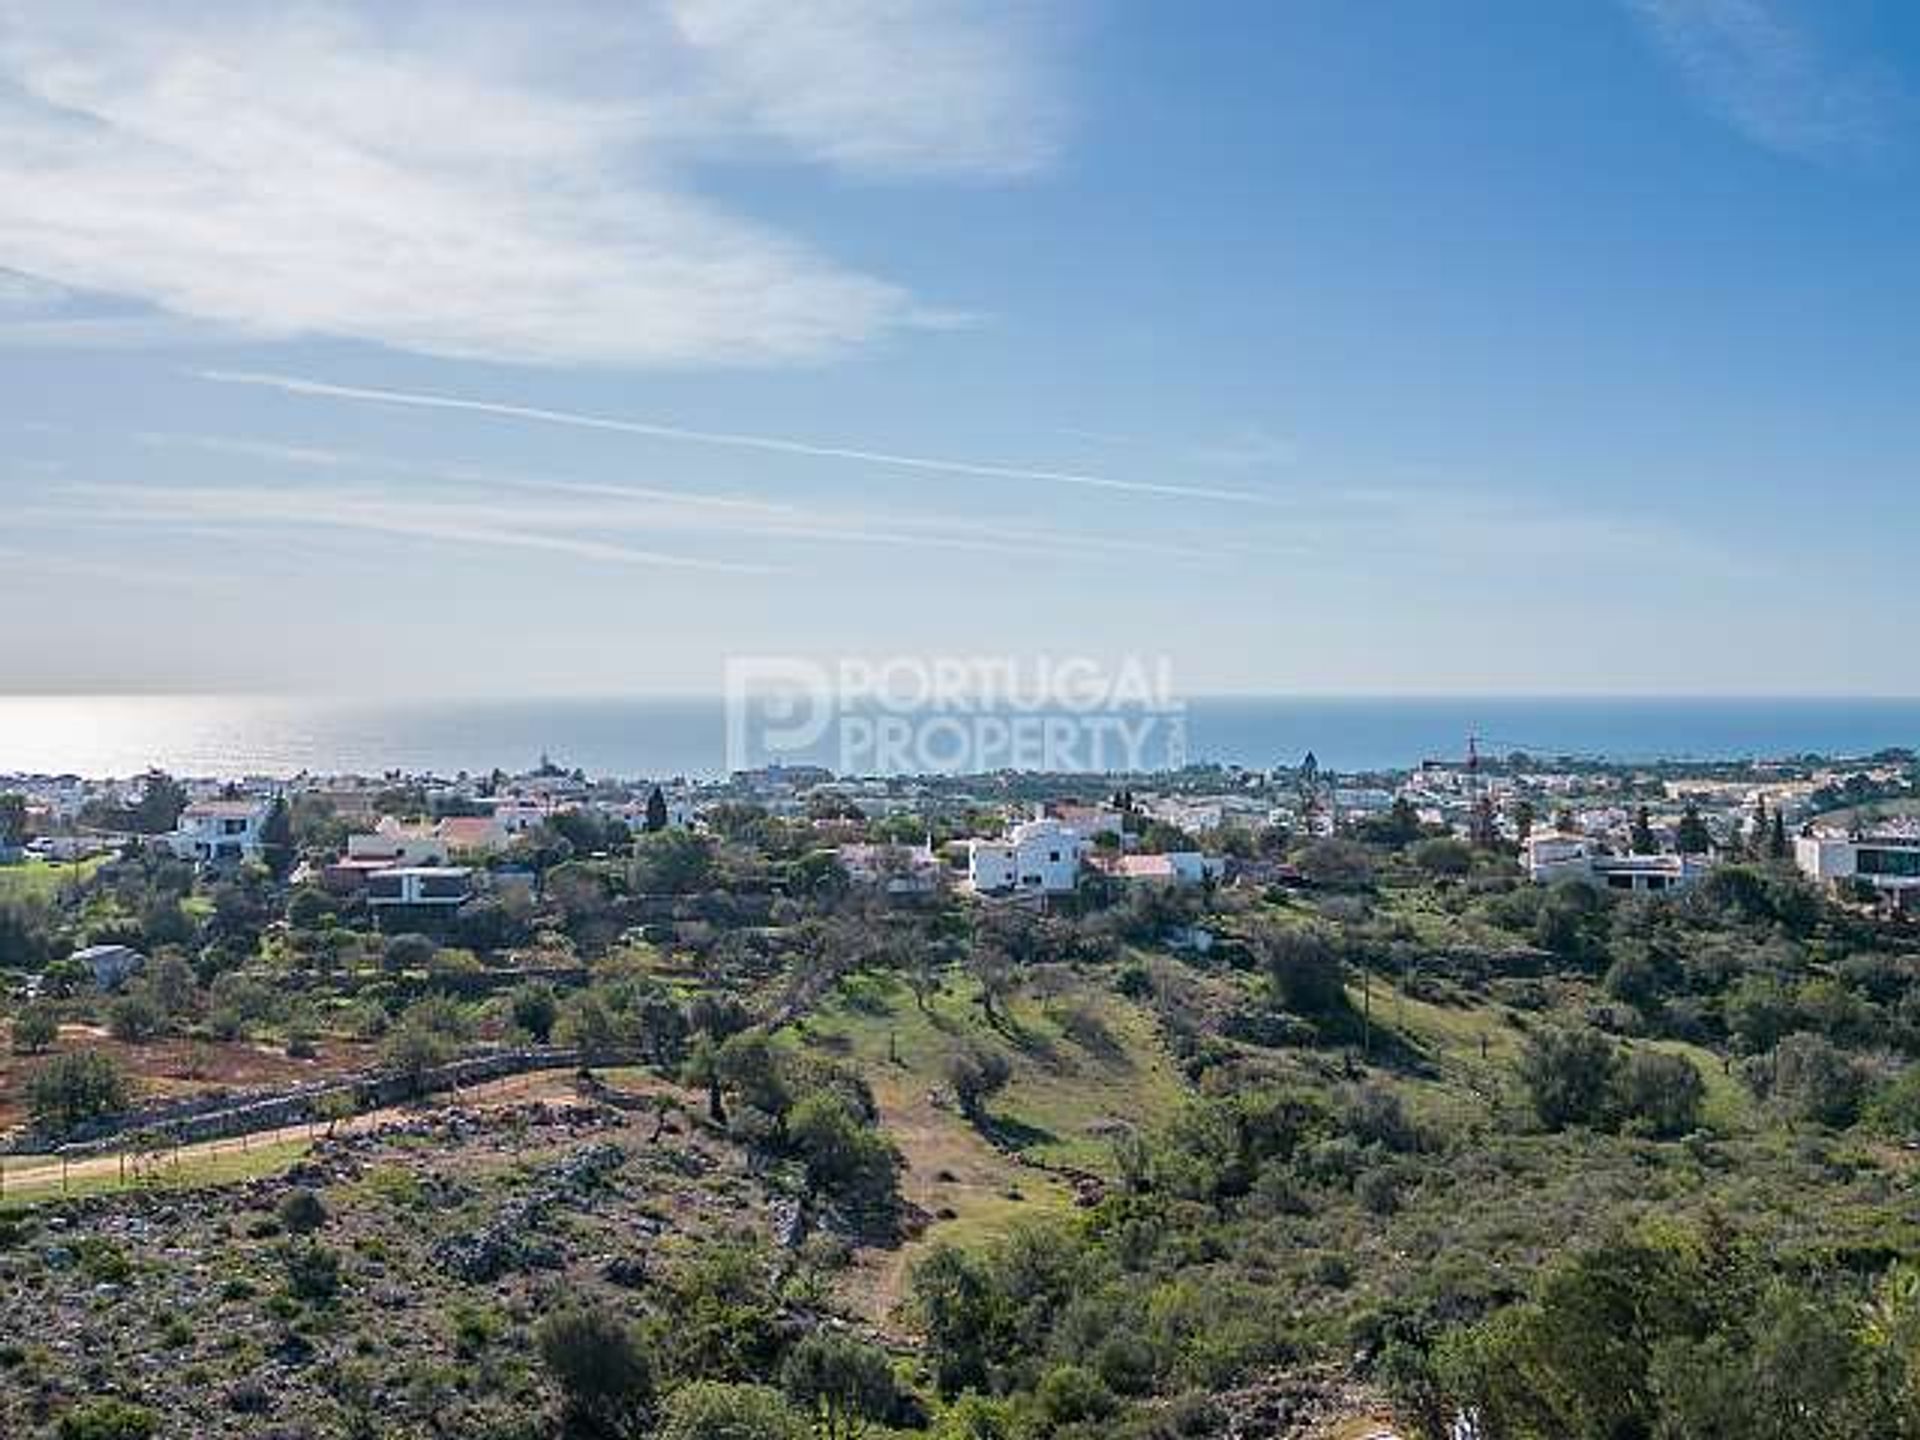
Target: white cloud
(1768, 77)
(484, 182)
(826, 77)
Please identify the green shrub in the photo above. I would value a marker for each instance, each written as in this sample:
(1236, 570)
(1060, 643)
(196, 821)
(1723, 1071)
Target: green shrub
(106, 1419)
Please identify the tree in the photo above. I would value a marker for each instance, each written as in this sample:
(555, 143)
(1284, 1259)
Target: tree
(1568, 1075)
(1335, 864)
(844, 1157)
(954, 1298)
(1641, 839)
(605, 1376)
(34, 1029)
(977, 1073)
(409, 952)
(671, 862)
(1303, 971)
(1483, 826)
(1812, 1079)
(276, 839)
(13, 820)
(134, 1017)
(656, 820)
(1777, 847)
(712, 1410)
(420, 1043)
(300, 1211)
(157, 811)
(71, 1089)
(534, 1008)
(1663, 1092)
(1692, 837)
(846, 1384)
(1522, 815)
(1443, 855)
(1757, 828)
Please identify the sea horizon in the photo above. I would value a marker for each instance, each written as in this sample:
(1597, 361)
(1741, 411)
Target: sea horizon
(684, 735)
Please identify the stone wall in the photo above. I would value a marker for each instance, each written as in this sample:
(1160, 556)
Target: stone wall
(216, 1117)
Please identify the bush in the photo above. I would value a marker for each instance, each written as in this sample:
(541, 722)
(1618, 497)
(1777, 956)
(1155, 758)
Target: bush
(107, 1419)
(845, 1383)
(711, 1410)
(1663, 1092)
(313, 1273)
(1304, 971)
(845, 1158)
(976, 1074)
(71, 1089)
(605, 1375)
(1443, 856)
(1812, 1079)
(534, 1009)
(34, 1029)
(1568, 1076)
(301, 1212)
(1068, 1395)
(133, 1017)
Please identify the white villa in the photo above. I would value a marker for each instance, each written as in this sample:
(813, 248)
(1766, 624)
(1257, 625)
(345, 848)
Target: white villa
(1038, 857)
(220, 831)
(1552, 856)
(1889, 863)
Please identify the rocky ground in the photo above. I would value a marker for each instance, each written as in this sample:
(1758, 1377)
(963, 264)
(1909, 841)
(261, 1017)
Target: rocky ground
(450, 1236)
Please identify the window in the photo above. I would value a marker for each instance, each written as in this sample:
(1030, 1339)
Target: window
(1902, 863)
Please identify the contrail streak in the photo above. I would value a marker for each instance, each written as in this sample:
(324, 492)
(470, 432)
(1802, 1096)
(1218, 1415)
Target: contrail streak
(294, 385)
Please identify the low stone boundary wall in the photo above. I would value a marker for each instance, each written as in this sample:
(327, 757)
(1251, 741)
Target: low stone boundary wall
(219, 1117)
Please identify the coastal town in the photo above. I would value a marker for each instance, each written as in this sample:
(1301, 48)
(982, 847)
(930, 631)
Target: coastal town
(510, 1049)
(415, 844)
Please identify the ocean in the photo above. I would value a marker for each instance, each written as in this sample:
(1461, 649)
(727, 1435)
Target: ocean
(233, 736)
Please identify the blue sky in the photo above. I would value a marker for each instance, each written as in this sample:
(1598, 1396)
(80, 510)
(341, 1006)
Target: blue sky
(1517, 347)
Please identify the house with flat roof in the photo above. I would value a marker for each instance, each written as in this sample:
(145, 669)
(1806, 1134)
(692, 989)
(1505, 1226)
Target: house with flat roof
(1552, 856)
(1889, 863)
(424, 888)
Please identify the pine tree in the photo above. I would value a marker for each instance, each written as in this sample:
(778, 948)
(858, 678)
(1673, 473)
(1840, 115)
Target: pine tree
(1642, 837)
(1693, 837)
(1777, 838)
(1484, 828)
(276, 839)
(656, 812)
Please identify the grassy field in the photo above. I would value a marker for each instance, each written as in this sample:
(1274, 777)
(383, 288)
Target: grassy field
(1064, 1096)
(197, 1168)
(38, 880)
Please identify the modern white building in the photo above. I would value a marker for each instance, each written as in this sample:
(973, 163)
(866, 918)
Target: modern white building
(1889, 863)
(1552, 856)
(220, 831)
(1039, 856)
